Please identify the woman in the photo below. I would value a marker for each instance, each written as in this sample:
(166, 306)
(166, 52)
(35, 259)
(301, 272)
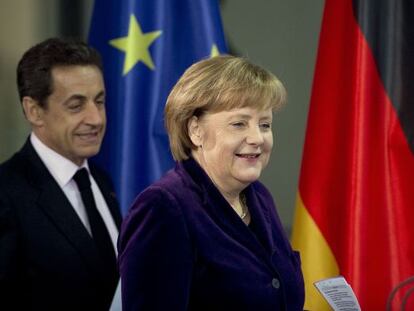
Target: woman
(206, 236)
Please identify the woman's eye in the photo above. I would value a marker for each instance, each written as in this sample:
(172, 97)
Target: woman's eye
(266, 126)
(238, 124)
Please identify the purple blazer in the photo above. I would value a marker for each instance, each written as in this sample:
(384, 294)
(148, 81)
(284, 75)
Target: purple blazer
(182, 247)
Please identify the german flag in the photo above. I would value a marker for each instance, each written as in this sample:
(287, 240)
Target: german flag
(355, 206)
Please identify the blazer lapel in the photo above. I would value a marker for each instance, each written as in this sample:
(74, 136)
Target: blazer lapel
(57, 207)
(261, 218)
(226, 217)
(231, 223)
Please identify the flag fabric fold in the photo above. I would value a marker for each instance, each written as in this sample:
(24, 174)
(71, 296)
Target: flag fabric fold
(356, 196)
(146, 46)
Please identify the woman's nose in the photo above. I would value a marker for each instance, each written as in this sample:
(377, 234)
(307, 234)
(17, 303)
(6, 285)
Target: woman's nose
(254, 136)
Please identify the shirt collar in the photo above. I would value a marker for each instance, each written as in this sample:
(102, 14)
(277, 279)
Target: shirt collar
(61, 168)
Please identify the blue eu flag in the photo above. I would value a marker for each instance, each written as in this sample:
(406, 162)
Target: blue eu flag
(146, 45)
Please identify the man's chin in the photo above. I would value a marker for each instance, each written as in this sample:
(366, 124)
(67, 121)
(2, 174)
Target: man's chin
(89, 151)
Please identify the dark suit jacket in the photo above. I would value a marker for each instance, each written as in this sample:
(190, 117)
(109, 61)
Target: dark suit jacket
(48, 260)
(182, 247)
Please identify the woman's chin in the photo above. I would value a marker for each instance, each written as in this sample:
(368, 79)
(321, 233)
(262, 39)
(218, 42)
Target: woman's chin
(248, 178)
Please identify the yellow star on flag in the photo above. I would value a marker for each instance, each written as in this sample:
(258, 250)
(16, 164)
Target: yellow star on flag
(214, 51)
(136, 45)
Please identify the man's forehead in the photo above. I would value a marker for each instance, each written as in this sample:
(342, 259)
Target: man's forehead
(82, 80)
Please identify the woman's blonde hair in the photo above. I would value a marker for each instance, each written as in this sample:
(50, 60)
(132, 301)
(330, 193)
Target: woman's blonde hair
(217, 84)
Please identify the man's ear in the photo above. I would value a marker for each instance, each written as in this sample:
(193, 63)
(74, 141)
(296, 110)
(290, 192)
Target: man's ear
(194, 131)
(32, 111)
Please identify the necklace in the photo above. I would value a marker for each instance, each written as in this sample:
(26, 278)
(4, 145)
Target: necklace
(243, 215)
(244, 205)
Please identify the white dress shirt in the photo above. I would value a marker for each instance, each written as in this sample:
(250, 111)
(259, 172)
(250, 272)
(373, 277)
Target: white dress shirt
(63, 171)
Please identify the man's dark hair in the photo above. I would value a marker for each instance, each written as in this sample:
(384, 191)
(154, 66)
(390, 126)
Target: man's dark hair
(34, 76)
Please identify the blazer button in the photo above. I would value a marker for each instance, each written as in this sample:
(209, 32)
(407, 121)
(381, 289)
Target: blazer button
(275, 283)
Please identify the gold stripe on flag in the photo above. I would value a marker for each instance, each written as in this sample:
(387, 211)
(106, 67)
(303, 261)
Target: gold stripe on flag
(318, 261)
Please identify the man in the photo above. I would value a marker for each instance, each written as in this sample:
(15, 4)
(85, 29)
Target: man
(59, 218)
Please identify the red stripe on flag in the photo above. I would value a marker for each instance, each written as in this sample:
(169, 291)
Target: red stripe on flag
(357, 171)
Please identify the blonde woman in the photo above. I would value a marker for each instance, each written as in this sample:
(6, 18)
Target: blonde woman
(207, 236)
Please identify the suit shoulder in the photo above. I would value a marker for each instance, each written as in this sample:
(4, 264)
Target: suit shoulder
(12, 169)
(12, 181)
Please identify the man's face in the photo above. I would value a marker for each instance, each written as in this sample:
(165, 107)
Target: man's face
(73, 120)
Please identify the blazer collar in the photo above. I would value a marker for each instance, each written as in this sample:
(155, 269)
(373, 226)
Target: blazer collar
(227, 218)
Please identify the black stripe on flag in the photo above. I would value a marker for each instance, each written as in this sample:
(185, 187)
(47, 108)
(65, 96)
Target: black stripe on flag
(388, 26)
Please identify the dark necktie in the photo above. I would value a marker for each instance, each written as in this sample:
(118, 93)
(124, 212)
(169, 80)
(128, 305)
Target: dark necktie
(100, 233)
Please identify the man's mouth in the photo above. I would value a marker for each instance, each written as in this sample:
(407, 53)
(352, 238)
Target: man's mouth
(88, 135)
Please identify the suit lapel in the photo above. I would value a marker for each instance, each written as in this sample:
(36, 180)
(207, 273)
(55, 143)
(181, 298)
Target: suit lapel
(57, 207)
(55, 204)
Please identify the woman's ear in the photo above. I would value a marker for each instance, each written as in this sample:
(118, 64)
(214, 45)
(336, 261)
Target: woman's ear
(194, 131)
(32, 111)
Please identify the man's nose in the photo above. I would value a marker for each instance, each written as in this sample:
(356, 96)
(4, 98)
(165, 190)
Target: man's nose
(94, 113)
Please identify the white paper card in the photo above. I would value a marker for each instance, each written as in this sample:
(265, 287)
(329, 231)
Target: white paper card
(338, 294)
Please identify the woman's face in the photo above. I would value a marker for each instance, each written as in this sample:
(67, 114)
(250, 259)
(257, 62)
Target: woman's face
(235, 145)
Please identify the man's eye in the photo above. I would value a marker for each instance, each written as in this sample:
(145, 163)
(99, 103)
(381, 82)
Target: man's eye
(76, 107)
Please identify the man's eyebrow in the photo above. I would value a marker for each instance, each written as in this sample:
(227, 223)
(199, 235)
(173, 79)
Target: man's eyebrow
(100, 94)
(82, 97)
(74, 97)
